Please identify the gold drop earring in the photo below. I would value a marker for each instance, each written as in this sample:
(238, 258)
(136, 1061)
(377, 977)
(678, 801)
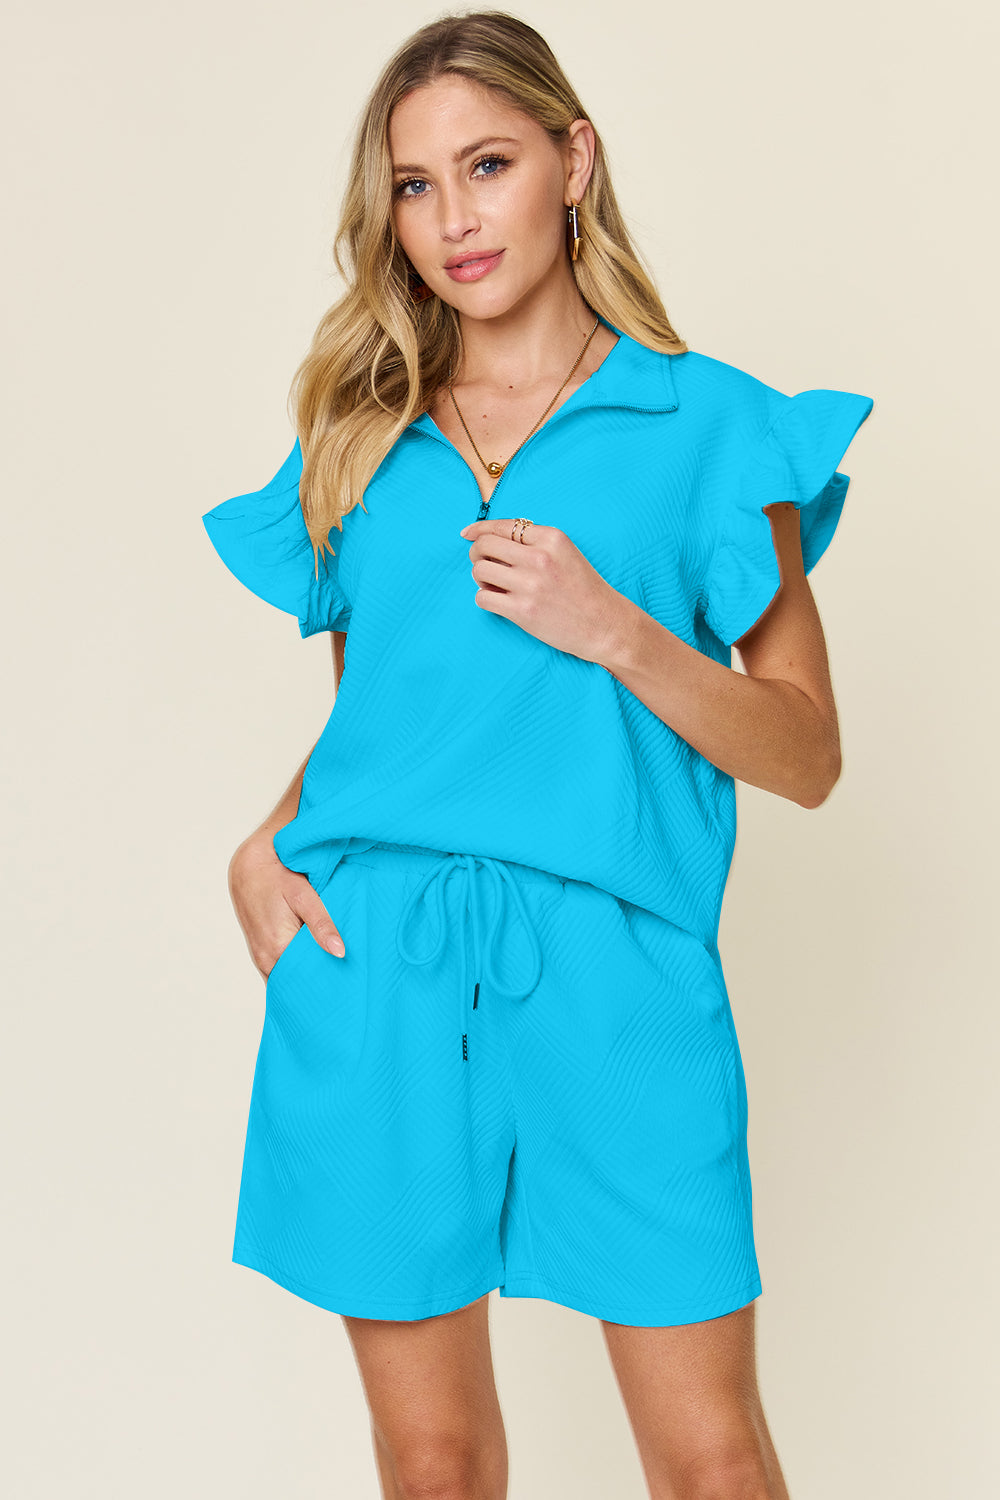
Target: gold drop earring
(573, 228)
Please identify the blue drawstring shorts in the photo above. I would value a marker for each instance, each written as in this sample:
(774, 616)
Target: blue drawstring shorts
(513, 1081)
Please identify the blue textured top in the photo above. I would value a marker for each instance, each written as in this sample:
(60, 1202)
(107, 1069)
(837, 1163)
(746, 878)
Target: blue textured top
(454, 728)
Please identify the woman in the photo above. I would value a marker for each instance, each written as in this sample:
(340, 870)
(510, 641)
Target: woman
(498, 1049)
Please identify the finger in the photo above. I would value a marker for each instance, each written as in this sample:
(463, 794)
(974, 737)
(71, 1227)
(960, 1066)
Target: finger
(497, 548)
(281, 946)
(490, 573)
(499, 526)
(519, 530)
(323, 928)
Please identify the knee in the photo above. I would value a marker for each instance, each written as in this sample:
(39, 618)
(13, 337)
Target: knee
(733, 1477)
(440, 1471)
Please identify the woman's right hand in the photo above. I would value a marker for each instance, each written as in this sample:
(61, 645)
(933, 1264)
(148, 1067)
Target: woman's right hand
(273, 902)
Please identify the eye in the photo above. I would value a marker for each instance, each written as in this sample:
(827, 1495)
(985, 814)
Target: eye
(498, 160)
(398, 191)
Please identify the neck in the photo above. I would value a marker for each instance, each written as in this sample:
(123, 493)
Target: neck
(530, 346)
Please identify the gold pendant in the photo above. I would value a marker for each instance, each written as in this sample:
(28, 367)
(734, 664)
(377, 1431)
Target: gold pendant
(494, 469)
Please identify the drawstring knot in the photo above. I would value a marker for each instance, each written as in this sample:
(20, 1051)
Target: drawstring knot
(474, 868)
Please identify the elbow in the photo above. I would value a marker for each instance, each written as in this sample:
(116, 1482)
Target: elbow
(824, 775)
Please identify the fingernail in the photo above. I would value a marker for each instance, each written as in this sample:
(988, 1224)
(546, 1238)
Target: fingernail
(336, 947)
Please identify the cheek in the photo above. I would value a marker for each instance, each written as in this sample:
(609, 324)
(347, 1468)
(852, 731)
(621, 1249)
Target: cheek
(415, 246)
(536, 217)
(402, 231)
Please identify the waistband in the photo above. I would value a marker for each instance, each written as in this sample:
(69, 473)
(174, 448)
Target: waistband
(484, 883)
(359, 848)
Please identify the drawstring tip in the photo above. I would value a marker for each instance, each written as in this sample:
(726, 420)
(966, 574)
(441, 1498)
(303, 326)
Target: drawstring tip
(465, 1046)
(475, 997)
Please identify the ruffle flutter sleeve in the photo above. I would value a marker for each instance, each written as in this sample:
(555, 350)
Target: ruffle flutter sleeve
(796, 459)
(262, 538)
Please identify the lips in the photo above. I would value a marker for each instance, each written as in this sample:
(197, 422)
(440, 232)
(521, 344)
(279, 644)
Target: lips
(475, 268)
(463, 260)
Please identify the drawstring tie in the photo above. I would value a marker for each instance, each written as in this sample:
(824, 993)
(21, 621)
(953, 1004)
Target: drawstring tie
(484, 955)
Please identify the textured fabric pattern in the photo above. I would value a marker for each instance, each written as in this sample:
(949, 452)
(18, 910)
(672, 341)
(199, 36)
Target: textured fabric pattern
(262, 538)
(510, 1080)
(455, 729)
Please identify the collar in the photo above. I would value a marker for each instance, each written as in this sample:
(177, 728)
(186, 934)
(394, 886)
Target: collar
(631, 375)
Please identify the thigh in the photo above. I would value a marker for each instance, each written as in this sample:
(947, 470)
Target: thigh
(432, 1395)
(377, 1155)
(630, 1193)
(692, 1398)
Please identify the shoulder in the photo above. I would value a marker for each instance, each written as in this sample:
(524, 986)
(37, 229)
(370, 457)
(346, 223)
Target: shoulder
(721, 397)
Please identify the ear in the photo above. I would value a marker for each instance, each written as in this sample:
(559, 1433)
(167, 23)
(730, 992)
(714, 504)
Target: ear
(581, 151)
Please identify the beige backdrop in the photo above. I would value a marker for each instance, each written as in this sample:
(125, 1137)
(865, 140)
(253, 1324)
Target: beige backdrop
(812, 185)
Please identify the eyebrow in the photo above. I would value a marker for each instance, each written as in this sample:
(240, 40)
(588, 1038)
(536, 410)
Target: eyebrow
(463, 152)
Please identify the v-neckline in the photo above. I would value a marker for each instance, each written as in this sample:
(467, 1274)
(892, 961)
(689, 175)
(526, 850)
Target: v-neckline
(551, 416)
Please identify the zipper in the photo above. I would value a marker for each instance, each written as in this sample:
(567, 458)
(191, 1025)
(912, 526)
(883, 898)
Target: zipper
(484, 505)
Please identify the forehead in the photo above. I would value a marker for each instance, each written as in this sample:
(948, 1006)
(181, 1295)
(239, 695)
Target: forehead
(451, 107)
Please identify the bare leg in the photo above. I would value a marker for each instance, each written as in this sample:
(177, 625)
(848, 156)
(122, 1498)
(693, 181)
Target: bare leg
(695, 1410)
(437, 1428)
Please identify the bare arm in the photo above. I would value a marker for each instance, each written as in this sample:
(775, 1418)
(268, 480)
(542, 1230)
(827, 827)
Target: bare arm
(272, 902)
(775, 727)
(261, 840)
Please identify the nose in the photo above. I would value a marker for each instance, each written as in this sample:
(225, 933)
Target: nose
(459, 217)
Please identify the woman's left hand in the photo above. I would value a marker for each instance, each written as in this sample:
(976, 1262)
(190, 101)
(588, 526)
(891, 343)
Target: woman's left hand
(545, 585)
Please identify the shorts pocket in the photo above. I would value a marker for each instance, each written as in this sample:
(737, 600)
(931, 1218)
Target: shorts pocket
(678, 957)
(316, 1002)
(279, 962)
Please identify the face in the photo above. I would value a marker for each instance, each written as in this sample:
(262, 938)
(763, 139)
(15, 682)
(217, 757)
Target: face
(501, 205)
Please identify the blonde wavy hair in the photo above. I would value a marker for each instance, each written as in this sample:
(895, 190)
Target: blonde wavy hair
(377, 358)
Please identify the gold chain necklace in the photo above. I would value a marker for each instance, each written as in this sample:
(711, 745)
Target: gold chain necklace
(496, 469)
